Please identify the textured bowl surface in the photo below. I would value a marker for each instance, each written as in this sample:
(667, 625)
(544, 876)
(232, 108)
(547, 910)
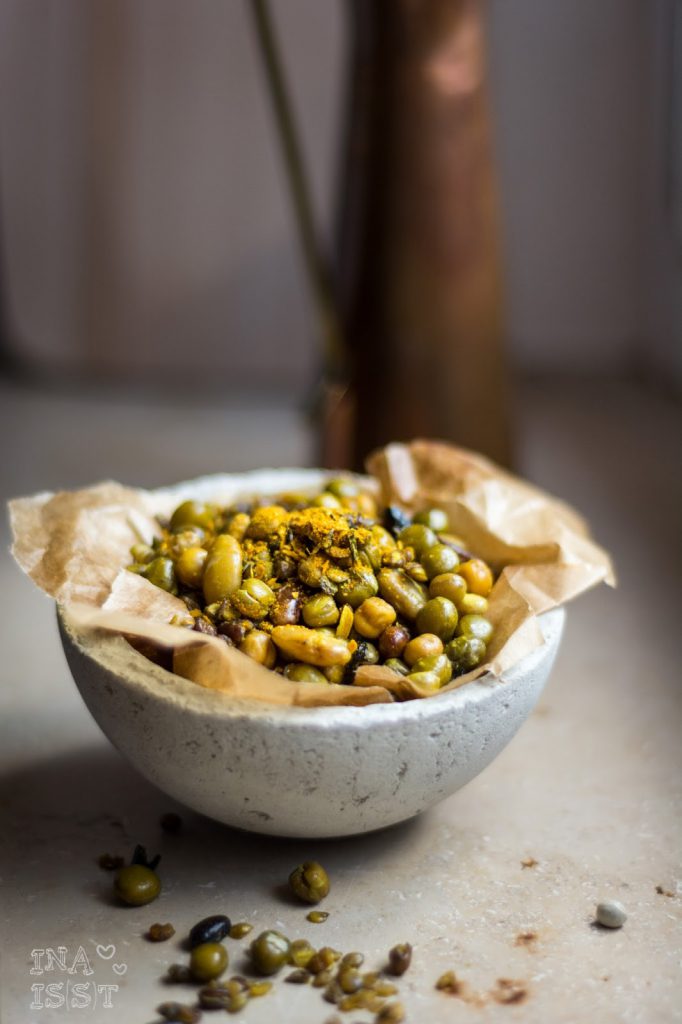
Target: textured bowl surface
(306, 772)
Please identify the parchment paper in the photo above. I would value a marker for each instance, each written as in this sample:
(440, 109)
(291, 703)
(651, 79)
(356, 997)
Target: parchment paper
(75, 546)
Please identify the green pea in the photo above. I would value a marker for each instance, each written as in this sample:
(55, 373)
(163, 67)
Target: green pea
(438, 560)
(190, 566)
(435, 518)
(208, 961)
(475, 627)
(161, 572)
(142, 553)
(397, 665)
(193, 513)
(438, 616)
(299, 672)
(326, 500)
(320, 610)
(465, 653)
(343, 488)
(438, 663)
(222, 569)
(449, 585)
(309, 881)
(270, 952)
(418, 537)
(427, 680)
(136, 885)
(406, 595)
(361, 585)
(253, 599)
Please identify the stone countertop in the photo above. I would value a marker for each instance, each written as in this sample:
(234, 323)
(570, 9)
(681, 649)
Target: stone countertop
(499, 881)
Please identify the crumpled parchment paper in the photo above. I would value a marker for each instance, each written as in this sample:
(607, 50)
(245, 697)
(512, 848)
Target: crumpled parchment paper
(75, 546)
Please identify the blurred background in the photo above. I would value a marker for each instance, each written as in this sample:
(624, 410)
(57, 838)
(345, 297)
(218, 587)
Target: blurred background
(156, 301)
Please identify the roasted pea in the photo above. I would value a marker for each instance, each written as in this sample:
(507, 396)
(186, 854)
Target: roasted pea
(399, 959)
(301, 953)
(465, 653)
(286, 611)
(266, 521)
(311, 572)
(317, 916)
(300, 673)
(345, 623)
(438, 663)
(438, 616)
(238, 525)
(475, 627)
(334, 673)
(161, 572)
(343, 487)
(136, 885)
(429, 681)
(358, 588)
(418, 537)
(208, 961)
(190, 567)
(478, 576)
(193, 513)
(435, 518)
(391, 1013)
(396, 665)
(259, 988)
(393, 640)
(222, 568)
(349, 979)
(473, 604)
(311, 646)
(438, 560)
(142, 553)
(323, 960)
(326, 500)
(421, 647)
(209, 929)
(253, 599)
(284, 568)
(269, 952)
(373, 616)
(258, 646)
(450, 585)
(407, 596)
(298, 977)
(320, 610)
(309, 881)
(178, 1013)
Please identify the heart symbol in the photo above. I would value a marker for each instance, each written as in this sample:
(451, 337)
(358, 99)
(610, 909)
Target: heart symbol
(106, 952)
(119, 968)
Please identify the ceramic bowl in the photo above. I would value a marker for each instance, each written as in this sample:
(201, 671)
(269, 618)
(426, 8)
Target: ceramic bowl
(303, 772)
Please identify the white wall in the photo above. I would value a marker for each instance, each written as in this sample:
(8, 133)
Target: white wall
(145, 215)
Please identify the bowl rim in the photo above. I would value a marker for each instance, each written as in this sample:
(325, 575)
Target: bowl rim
(118, 658)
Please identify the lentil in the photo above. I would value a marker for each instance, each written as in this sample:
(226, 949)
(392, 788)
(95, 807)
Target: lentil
(240, 929)
(160, 932)
(399, 958)
(179, 1013)
(317, 916)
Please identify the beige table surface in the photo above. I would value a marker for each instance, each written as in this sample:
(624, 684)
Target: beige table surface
(589, 789)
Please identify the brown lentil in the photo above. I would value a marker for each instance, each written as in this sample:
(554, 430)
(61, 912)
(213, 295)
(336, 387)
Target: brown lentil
(160, 932)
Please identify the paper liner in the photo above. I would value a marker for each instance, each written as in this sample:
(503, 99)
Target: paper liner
(75, 546)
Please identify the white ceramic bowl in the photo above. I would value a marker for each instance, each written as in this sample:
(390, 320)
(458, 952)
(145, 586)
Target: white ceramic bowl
(305, 772)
